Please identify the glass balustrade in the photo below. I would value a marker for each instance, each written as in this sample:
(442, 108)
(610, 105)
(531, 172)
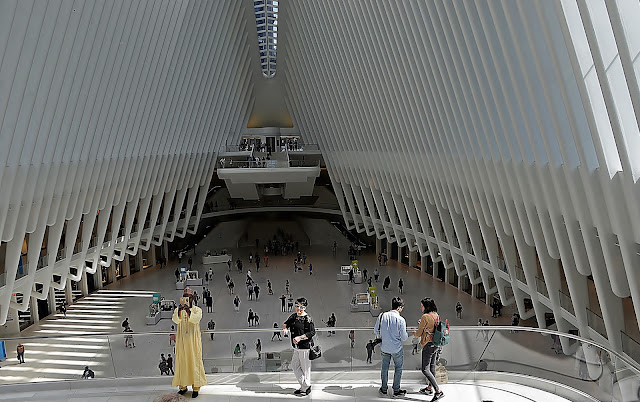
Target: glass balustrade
(529, 356)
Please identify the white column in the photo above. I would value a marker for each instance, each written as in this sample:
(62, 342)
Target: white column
(165, 250)
(423, 263)
(126, 266)
(139, 263)
(33, 309)
(52, 299)
(68, 294)
(111, 271)
(378, 246)
(97, 277)
(84, 288)
(413, 258)
(152, 255)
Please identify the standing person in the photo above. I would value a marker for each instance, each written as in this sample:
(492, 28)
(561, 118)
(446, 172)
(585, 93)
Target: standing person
(283, 300)
(400, 285)
(128, 338)
(236, 303)
(304, 258)
(125, 323)
(231, 285)
(227, 278)
(210, 274)
(302, 331)
(209, 301)
(387, 282)
(266, 261)
(392, 328)
(480, 332)
(515, 321)
(259, 348)
(430, 352)
(286, 287)
(256, 290)
(486, 332)
(189, 366)
(243, 348)
(370, 348)
(163, 365)
(276, 332)
(211, 326)
(180, 257)
(269, 288)
(379, 260)
(310, 269)
(63, 309)
(335, 248)
(495, 306)
(376, 275)
(250, 317)
(352, 337)
(177, 273)
(257, 263)
(170, 364)
(229, 265)
(250, 258)
(332, 322)
(459, 309)
(190, 262)
(290, 303)
(256, 319)
(172, 336)
(364, 274)
(369, 281)
(351, 275)
(20, 351)
(250, 291)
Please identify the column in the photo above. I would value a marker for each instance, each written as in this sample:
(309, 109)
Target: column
(52, 299)
(165, 250)
(33, 309)
(126, 266)
(139, 263)
(423, 264)
(378, 246)
(413, 258)
(447, 274)
(111, 271)
(399, 249)
(84, 288)
(68, 293)
(12, 326)
(152, 255)
(97, 277)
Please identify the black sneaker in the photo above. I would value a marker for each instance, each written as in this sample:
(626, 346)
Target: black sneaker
(382, 391)
(400, 392)
(308, 391)
(182, 391)
(438, 395)
(426, 391)
(194, 394)
(298, 392)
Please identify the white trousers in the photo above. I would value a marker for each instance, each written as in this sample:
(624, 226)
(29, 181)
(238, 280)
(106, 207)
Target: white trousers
(301, 366)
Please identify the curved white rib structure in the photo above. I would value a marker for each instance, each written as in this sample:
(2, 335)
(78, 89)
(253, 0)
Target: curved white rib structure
(500, 137)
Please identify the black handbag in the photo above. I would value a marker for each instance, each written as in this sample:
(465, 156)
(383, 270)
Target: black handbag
(315, 352)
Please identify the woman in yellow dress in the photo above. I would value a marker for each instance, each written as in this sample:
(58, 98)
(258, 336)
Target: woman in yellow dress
(189, 368)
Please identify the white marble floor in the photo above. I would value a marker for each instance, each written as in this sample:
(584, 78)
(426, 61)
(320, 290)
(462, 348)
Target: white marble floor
(64, 358)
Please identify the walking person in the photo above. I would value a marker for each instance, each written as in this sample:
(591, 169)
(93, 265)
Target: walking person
(211, 326)
(334, 248)
(400, 285)
(256, 290)
(177, 274)
(370, 349)
(376, 275)
(364, 274)
(276, 332)
(227, 278)
(515, 321)
(20, 352)
(286, 287)
(236, 304)
(430, 352)
(250, 317)
(301, 327)
(269, 288)
(486, 332)
(250, 291)
(480, 332)
(209, 301)
(310, 269)
(352, 337)
(459, 309)
(128, 338)
(190, 262)
(170, 364)
(259, 348)
(163, 365)
(387, 282)
(231, 285)
(392, 328)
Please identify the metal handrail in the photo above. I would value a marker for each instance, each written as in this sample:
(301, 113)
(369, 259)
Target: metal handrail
(633, 365)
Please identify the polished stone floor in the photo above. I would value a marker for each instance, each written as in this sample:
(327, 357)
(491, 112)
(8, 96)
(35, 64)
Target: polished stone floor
(58, 358)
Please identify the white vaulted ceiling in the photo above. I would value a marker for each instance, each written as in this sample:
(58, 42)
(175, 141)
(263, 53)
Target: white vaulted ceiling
(500, 137)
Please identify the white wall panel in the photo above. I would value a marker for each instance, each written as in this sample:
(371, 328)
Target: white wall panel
(510, 125)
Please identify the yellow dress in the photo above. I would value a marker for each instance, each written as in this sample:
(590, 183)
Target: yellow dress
(189, 368)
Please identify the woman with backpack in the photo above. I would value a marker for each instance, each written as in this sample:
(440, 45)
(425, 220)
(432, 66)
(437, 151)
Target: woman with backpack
(430, 351)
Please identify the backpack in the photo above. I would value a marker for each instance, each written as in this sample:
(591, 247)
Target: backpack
(441, 333)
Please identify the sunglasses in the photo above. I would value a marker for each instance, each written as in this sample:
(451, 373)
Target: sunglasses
(299, 307)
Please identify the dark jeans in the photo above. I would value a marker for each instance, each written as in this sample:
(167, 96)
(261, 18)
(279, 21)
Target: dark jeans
(430, 355)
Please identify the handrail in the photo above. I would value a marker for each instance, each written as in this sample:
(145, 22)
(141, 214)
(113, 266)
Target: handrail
(635, 366)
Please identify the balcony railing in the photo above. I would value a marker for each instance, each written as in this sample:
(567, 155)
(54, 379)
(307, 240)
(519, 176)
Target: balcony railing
(520, 274)
(565, 302)
(630, 346)
(541, 286)
(502, 265)
(596, 322)
(589, 370)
